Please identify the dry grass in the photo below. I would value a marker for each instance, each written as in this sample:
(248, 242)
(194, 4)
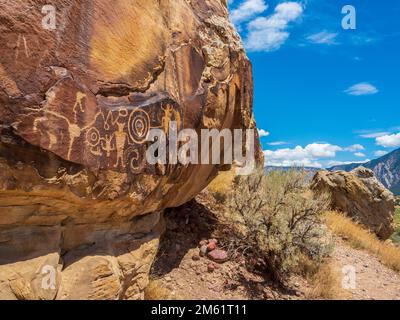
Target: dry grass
(326, 284)
(157, 291)
(360, 238)
(324, 279)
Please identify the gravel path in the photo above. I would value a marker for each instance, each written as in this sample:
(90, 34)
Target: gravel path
(373, 280)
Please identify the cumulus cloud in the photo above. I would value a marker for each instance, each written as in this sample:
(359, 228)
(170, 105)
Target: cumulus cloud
(299, 156)
(355, 147)
(270, 33)
(374, 135)
(389, 141)
(262, 133)
(359, 155)
(380, 153)
(323, 37)
(247, 10)
(362, 89)
(322, 150)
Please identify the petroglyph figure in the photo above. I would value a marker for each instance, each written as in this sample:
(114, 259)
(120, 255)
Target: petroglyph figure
(120, 140)
(93, 140)
(139, 125)
(26, 48)
(106, 144)
(78, 103)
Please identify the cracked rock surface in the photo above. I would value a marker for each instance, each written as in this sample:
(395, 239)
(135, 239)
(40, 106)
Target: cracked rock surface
(80, 208)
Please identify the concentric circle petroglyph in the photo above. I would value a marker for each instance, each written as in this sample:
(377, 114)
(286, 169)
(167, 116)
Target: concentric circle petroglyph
(139, 125)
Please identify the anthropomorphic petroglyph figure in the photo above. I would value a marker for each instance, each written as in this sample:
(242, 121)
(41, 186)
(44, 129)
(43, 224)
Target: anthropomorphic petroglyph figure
(106, 144)
(120, 140)
(78, 103)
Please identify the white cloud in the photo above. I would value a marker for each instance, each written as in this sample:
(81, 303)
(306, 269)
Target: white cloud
(362, 89)
(277, 143)
(323, 150)
(389, 141)
(248, 9)
(380, 153)
(323, 37)
(262, 133)
(359, 155)
(374, 135)
(355, 147)
(300, 156)
(270, 33)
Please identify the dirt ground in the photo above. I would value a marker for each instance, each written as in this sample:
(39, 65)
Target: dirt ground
(373, 280)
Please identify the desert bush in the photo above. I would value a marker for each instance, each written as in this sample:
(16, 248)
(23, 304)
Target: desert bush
(274, 219)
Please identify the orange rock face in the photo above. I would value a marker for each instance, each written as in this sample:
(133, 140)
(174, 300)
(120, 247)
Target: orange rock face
(89, 91)
(76, 104)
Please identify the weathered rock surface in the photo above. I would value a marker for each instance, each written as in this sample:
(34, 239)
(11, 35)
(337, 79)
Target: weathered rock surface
(80, 208)
(361, 196)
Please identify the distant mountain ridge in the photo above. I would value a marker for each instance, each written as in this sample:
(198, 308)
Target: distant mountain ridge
(386, 169)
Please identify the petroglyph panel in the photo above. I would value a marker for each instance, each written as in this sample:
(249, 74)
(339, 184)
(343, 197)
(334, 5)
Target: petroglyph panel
(97, 134)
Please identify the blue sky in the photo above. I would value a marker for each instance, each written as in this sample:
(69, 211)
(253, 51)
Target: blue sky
(323, 95)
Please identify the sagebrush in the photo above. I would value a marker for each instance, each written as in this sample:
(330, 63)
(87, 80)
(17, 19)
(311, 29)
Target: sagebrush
(273, 219)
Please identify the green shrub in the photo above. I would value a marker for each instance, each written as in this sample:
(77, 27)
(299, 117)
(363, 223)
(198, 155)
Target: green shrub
(274, 219)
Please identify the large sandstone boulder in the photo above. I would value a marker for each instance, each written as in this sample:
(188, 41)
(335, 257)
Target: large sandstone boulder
(80, 208)
(361, 196)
